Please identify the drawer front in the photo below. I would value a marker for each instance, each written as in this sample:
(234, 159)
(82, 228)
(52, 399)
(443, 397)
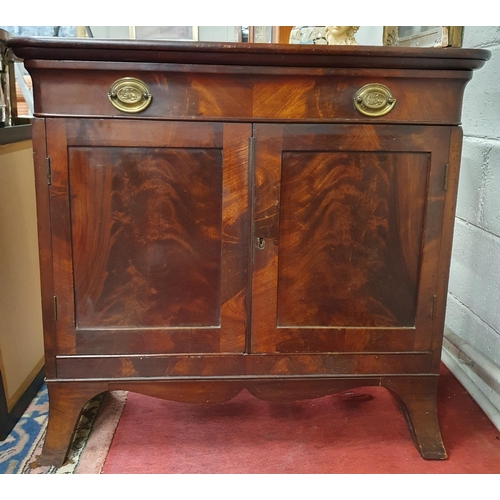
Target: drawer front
(180, 92)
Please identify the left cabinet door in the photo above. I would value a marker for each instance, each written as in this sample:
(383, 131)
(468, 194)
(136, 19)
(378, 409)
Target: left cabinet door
(149, 235)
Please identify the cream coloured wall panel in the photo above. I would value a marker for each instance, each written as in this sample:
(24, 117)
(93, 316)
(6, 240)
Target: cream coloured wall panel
(21, 342)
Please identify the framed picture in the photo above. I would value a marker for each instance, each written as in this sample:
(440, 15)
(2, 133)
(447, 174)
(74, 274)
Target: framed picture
(423, 36)
(186, 33)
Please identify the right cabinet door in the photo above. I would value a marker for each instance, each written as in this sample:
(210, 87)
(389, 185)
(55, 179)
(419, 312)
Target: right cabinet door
(347, 228)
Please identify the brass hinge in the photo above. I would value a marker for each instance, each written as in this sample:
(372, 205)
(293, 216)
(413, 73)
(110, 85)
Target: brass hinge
(54, 305)
(433, 307)
(48, 170)
(445, 180)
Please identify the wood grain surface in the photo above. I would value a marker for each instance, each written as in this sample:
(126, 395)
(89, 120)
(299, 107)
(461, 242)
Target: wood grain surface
(247, 93)
(146, 236)
(248, 53)
(350, 238)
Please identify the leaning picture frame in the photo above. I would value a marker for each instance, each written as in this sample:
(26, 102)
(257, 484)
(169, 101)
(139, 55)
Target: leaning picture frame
(181, 33)
(423, 36)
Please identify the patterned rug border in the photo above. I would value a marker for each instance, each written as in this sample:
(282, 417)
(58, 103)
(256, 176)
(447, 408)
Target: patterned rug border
(100, 416)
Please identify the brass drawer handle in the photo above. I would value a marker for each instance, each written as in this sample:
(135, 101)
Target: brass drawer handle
(374, 99)
(130, 95)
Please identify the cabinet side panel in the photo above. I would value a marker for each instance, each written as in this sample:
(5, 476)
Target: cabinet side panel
(44, 243)
(446, 242)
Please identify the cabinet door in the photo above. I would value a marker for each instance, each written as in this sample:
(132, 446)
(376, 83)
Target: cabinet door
(150, 238)
(346, 236)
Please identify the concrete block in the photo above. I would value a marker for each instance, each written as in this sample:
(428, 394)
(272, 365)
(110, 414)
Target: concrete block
(481, 106)
(490, 216)
(480, 390)
(475, 272)
(474, 156)
(475, 37)
(478, 201)
(492, 396)
(470, 328)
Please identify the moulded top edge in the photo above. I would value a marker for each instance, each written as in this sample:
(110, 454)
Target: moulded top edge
(358, 56)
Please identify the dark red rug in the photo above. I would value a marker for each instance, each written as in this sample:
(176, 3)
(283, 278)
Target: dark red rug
(329, 435)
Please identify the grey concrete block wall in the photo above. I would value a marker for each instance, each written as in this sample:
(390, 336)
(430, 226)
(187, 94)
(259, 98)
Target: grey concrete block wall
(475, 274)
(481, 106)
(473, 311)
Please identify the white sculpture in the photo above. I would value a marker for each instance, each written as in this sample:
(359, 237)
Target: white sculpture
(324, 35)
(341, 35)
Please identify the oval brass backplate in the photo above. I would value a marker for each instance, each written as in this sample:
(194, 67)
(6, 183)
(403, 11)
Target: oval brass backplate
(130, 95)
(374, 99)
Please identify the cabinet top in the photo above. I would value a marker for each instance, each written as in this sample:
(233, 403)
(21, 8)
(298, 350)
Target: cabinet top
(248, 54)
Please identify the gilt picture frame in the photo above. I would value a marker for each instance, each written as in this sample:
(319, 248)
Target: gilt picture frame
(423, 36)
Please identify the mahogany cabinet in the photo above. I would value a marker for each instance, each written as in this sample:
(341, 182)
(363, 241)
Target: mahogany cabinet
(214, 217)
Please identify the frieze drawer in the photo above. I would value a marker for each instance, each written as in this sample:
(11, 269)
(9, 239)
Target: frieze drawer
(183, 92)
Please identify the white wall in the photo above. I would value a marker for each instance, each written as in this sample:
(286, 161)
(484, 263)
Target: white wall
(120, 32)
(370, 35)
(205, 33)
(218, 33)
(473, 313)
